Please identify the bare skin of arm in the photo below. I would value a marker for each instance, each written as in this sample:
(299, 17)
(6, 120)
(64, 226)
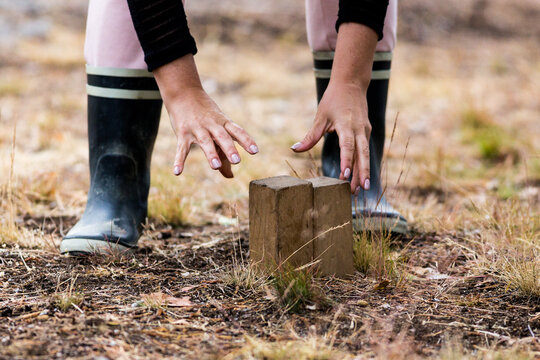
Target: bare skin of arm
(196, 119)
(343, 107)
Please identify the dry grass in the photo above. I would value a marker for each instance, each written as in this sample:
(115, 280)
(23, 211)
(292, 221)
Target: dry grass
(454, 351)
(245, 276)
(469, 186)
(308, 349)
(373, 254)
(169, 203)
(507, 242)
(69, 298)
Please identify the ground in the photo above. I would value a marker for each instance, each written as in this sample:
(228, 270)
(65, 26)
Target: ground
(462, 164)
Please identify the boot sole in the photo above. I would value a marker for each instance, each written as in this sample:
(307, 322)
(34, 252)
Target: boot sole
(372, 223)
(85, 247)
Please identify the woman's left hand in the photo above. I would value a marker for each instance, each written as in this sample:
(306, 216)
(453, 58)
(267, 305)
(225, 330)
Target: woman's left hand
(343, 109)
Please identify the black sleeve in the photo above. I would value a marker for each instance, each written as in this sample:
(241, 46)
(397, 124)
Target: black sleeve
(367, 12)
(162, 29)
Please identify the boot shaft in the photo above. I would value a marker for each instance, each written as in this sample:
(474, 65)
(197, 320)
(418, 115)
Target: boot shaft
(124, 109)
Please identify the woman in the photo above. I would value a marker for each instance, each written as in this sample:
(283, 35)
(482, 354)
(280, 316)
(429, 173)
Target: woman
(129, 44)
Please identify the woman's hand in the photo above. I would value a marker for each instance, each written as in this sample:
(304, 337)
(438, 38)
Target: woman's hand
(196, 119)
(343, 109)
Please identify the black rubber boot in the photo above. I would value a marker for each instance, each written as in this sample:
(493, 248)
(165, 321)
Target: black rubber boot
(371, 211)
(121, 135)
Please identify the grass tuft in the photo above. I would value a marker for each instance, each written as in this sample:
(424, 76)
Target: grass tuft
(244, 276)
(68, 299)
(507, 244)
(522, 274)
(374, 256)
(493, 143)
(65, 301)
(297, 289)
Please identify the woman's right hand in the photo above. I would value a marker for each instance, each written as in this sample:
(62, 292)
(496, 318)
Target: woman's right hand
(196, 119)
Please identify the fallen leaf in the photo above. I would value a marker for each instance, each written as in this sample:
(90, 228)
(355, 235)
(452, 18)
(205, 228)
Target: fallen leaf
(382, 285)
(179, 302)
(187, 288)
(161, 299)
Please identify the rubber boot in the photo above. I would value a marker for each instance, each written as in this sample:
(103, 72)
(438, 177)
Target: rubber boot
(371, 211)
(123, 120)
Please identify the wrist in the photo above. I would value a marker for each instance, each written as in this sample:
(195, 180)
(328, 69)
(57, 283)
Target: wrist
(178, 80)
(184, 96)
(348, 85)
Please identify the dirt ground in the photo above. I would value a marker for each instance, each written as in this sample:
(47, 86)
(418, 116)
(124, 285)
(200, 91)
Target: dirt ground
(463, 166)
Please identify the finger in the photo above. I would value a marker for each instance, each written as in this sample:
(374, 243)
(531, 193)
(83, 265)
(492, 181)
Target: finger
(355, 182)
(362, 150)
(346, 148)
(226, 144)
(225, 169)
(312, 137)
(242, 137)
(207, 145)
(182, 150)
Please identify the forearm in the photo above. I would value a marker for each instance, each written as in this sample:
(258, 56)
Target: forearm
(177, 79)
(353, 58)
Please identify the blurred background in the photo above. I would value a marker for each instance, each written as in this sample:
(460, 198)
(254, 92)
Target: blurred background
(465, 92)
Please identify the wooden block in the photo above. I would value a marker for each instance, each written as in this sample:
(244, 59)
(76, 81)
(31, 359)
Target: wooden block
(280, 221)
(332, 208)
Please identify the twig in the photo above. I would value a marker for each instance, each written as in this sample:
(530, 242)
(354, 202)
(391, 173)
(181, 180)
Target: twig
(495, 335)
(292, 169)
(530, 330)
(24, 262)
(78, 308)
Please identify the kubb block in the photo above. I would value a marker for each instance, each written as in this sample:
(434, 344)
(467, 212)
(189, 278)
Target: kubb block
(280, 221)
(301, 221)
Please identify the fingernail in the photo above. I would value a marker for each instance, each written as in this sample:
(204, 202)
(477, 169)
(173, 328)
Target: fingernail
(235, 159)
(366, 184)
(254, 149)
(347, 173)
(177, 170)
(357, 191)
(296, 146)
(216, 164)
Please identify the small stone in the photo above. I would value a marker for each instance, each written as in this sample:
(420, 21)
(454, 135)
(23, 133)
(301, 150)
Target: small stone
(362, 303)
